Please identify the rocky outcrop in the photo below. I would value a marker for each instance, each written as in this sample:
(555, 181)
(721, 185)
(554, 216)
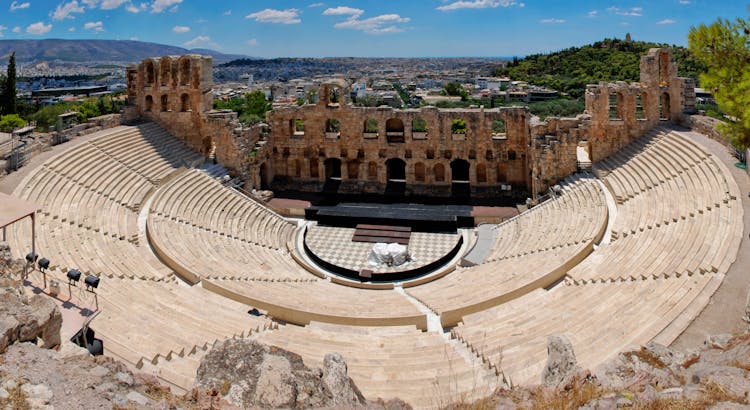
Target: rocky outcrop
(249, 374)
(561, 361)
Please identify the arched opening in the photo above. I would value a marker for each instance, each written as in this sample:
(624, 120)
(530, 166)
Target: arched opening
(419, 172)
(296, 128)
(481, 173)
(501, 174)
(333, 168)
(458, 129)
(149, 103)
(664, 108)
(460, 184)
(439, 172)
(334, 97)
(640, 113)
(372, 171)
(419, 129)
(297, 168)
(314, 169)
(352, 170)
(370, 130)
(615, 106)
(184, 103)
(150, 74)
(263, 176)
(185, 71)
(498, 129)
(394, 130)
(164, 102)
(164, 71)
(396, 176)
(333, 128)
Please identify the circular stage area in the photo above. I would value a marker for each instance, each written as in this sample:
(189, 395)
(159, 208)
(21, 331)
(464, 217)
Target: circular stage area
(345, 251)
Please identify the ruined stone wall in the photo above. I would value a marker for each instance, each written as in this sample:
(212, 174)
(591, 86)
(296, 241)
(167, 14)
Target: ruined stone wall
(304, 147)
(422, 138)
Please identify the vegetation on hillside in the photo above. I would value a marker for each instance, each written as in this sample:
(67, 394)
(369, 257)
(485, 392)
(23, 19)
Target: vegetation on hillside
(251, 108)
(571, 69)
(724, 47)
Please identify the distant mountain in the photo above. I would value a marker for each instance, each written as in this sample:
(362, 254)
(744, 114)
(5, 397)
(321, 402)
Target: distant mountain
(84, 51)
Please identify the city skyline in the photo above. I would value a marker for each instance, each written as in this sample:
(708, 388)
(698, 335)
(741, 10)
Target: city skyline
(363, 28)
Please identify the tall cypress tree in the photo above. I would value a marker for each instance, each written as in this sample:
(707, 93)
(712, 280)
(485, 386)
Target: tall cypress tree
(9, 94)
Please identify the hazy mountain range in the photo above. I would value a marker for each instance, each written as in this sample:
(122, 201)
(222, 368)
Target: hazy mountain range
(84, 51)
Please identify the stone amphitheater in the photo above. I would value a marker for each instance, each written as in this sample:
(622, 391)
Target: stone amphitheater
(628, 253)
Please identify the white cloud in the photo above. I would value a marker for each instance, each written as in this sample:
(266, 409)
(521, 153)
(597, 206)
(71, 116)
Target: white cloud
(666, 21)
(479, 4)
(201, 41)
(72, 29)
(383, 24)
(16, 29)
(343, 11)
(684, 1)
(553, 21)
(631, 12)
(160, 5)
(288, 16)
(252, 42)
(592, 13)
(65, 10)
(2, 28)
(316, 5)
(132, 8)
(227, 13)
(38, 28)
(112, 4)
(95, 26)
(180, 29)
(18, 6)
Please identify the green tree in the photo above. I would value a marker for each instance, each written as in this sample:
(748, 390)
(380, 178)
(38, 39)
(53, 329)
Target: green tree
(8, 96)
(724, 47)
(10, 122)
(453, 88)
(256, 103)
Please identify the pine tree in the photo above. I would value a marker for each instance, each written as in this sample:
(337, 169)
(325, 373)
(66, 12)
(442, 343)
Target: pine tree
(724, 47)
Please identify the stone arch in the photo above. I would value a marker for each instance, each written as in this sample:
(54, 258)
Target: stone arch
(335, 96)
(501, 173)
(352, 169)
(394, 130)
(264, 182)
(297, 168)
(419, 128)
(481, 173)
(149, 103)
(460, 170)
(150, 73)
(664, 107)
(184, 71)
(296, 127)
(372, 171)
(370, 128)
(439, 172)
(185, 103)
(333, 128)
(164, 102)
(616, 106)
(314, 170)
(498, 128)
(419, 172)
(333, 168)
(395, 169)
(640, 106)
(165, 71)
(511, 155)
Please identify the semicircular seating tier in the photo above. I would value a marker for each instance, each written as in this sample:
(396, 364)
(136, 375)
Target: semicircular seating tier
(90, 197)
(648, 283)
(532, 250)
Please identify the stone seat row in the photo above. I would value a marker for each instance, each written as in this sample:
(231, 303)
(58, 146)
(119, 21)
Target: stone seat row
(150, 151)
(196, 198)
(563, 221)
(600, 319)
(469, 290)
(69, 201)
(202, 254)
(322, 301)
(69, 246)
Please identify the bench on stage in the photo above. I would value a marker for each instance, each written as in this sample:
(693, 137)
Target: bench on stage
(382, 234)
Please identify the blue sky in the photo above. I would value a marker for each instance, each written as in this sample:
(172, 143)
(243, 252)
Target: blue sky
(372, 28)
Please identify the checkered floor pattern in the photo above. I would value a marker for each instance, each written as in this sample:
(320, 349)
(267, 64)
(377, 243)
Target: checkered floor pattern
(334, 245)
